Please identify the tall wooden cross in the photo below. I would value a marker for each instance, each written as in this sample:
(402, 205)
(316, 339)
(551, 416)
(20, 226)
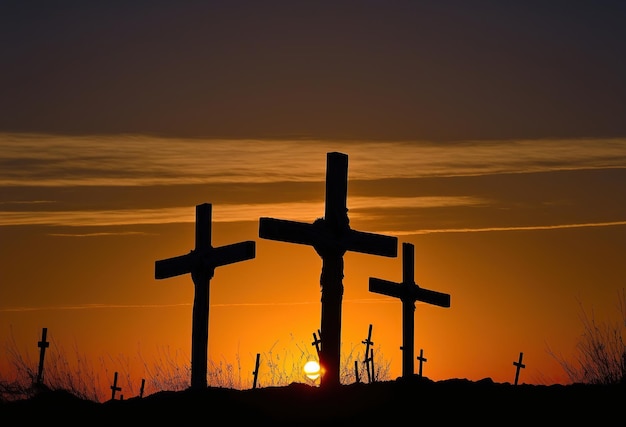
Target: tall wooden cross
(518, 365)
(201, 263)
(43, 345)
(408, 292)
(330, 236)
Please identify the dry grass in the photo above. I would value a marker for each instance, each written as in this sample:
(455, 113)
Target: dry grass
(168, 370)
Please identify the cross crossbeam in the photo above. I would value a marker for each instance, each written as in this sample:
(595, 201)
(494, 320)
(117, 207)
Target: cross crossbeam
(408, 292)
(330, 236)
(201, 263)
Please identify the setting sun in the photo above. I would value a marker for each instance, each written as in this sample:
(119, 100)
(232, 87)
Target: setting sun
(312, 370)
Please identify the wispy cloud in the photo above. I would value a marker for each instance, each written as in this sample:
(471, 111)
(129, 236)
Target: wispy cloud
(302, 211)
(44, 160)
(514, 228)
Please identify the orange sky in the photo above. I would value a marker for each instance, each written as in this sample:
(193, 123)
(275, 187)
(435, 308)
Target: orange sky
(490, 137)
(516, 244)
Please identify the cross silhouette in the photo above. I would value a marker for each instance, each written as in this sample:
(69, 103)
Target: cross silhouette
(408, 292)
(317, 341)
(367, 361)
(256, 369)
(518, 365)
(422, 359)
(201, 263)
(330, 236)
(114, 387)
(43, 345)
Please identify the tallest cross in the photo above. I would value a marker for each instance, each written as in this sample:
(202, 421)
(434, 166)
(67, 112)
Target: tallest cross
(331, 236)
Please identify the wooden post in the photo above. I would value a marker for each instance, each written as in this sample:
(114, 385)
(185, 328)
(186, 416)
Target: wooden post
(371, 360)
(408, 292)
(422, 359)
(43, 345)
(356, 372)
(114, 387)
(518, 365)
(201, 263)
(331, 236)
(256, 370)
(368, 341)
(143, 383)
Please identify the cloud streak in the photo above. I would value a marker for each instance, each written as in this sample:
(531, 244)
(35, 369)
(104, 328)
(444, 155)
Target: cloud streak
(127, 160)
(301, 211)
(513, 228)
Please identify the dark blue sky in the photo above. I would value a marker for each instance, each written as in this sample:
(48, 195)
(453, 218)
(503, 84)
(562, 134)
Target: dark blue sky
(343, 69)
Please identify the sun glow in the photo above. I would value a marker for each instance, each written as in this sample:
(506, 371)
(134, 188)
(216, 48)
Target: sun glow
(312, 370)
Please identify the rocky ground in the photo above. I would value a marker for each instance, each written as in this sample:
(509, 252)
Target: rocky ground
(414, 401)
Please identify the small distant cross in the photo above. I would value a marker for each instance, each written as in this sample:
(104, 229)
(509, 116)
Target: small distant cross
(114, 387)
(317, 341)
(422, 359)
(518, 366)
(408, 292)
(201, 263)
(43, 345)
(256, 370)
(368, 360)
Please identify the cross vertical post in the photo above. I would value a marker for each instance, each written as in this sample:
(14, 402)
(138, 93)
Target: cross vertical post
(201, 263)
(256, 370)
(518, 365)
(330, 236)
(408, 292)
(43, 345)
(422, 359)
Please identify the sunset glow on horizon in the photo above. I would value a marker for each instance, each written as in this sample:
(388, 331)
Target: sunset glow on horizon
(130, 233)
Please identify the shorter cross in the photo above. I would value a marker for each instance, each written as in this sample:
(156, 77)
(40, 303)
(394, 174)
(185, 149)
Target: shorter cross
(422, 359)
(114, 387)
(408, 292)
(256, 370)
(518, 365)
(43, 345)
(367, 360)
